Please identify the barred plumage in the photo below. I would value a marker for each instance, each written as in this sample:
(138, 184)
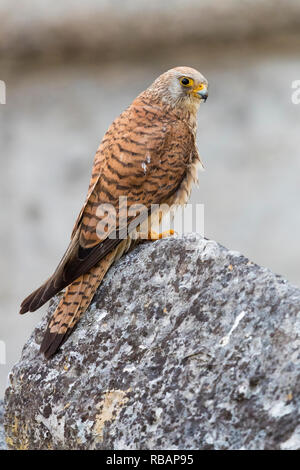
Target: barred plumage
(148, 155)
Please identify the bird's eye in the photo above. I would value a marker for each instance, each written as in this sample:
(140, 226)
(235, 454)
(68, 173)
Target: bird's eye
(185, 81)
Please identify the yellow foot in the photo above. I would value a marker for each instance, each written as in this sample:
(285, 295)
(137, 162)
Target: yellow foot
(157, 236)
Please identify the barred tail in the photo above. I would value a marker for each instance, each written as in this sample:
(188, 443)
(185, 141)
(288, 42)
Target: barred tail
(72, 306)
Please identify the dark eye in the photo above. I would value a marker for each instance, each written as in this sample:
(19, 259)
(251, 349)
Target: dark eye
(185, 81)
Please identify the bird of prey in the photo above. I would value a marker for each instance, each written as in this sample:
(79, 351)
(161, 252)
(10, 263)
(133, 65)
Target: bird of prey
(149, 156)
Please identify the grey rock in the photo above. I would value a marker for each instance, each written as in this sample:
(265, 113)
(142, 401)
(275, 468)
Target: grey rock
(2, 435)
(186, 345)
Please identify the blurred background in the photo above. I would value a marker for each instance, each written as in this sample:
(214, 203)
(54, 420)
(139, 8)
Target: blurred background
(71, 67)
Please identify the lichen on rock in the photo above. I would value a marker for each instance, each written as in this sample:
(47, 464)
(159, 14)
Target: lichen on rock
(186, 345)
(2, 436)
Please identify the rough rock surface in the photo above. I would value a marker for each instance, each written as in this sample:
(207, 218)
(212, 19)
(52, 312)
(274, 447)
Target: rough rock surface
(2, 437)
(186, 346)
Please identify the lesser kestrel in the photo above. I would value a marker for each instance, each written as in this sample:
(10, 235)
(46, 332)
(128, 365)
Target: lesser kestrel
(149, 156)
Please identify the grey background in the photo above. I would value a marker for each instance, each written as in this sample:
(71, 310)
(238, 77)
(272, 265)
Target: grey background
(71, 69)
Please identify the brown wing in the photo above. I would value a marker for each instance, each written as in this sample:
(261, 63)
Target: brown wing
(143, 156)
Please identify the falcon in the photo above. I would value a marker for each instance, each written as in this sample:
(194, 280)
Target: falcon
(148, 157)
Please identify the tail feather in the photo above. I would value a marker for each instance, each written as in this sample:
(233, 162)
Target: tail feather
(72, 306)
(64, 319)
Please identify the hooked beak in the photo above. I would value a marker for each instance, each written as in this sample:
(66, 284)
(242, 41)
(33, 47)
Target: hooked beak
(201, 91)
(203, 94)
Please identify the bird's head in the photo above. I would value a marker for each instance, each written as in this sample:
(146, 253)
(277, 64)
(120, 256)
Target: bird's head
(182, 87)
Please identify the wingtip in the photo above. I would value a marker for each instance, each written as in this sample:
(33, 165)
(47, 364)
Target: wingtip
(38, 298)
(23, 309)
(26, 305)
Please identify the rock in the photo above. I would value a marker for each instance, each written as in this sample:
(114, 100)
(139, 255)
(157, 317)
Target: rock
(186, 345)
(2, 436)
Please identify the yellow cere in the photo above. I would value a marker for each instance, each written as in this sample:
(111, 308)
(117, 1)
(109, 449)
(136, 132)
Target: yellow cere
(199, 87)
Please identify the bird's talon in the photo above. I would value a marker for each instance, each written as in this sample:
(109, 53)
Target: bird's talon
(158, 236)
(167, 233)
